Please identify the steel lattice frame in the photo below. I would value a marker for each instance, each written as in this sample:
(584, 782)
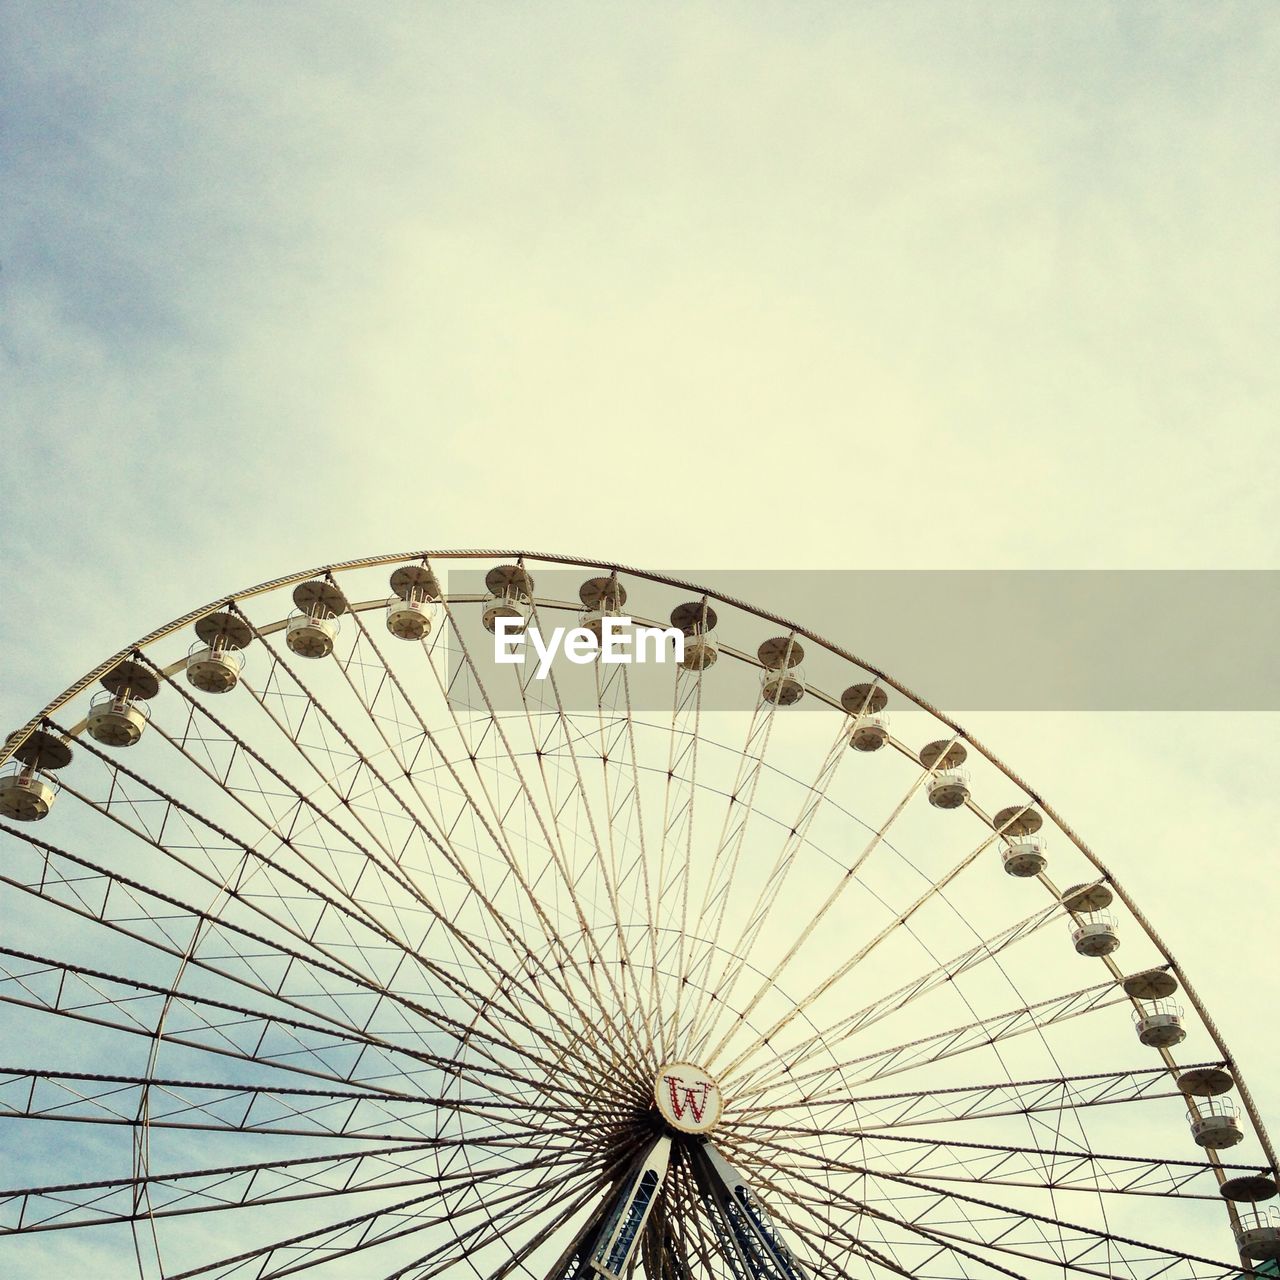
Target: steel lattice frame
(354, 972)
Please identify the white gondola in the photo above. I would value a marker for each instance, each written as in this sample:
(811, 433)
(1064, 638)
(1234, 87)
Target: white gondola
(700, 651)
(783, 679)
(1258, 1233)
(864, 699)
(216, 660)
(214, 669)
(601, 598)
(313, 630)
(506, 607)
(868, 730)
(1025, 857)
(311, 635)
(118, 715)
(1159, 1025)
(27, 786)
(1215, 1124)
(116, 721)
(948, 784)
(510, 596)
(409, 619)
(786, 688)
(697, 620)
(948, 789)
(1095, 934)
(26, 794)
(411, 610)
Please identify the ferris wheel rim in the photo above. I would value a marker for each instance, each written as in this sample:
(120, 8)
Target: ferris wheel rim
(15, 740)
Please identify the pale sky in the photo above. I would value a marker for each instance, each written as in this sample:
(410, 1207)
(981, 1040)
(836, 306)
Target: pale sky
(700, 285)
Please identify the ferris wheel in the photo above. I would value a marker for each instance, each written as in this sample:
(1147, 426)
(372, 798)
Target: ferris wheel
(332, 945)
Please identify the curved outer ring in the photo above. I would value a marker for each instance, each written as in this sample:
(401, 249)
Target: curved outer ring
(19, 736)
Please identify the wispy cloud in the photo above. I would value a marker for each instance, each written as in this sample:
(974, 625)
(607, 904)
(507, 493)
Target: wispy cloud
(832, 285)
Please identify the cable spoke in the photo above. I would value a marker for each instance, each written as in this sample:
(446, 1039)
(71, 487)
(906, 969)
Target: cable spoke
(212, 1026)
(821, 1043)
(999, 1227)
(847, 967)
(393, 687)
(972, 1102)
(391, 879)
(168, 925)
(197, 1191)
(964, 1039)
(255, 1108)
(995, 1164)
(381, 1226)
(608, 1010)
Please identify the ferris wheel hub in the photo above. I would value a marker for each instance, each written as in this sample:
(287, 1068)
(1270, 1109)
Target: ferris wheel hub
(688, 1098)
